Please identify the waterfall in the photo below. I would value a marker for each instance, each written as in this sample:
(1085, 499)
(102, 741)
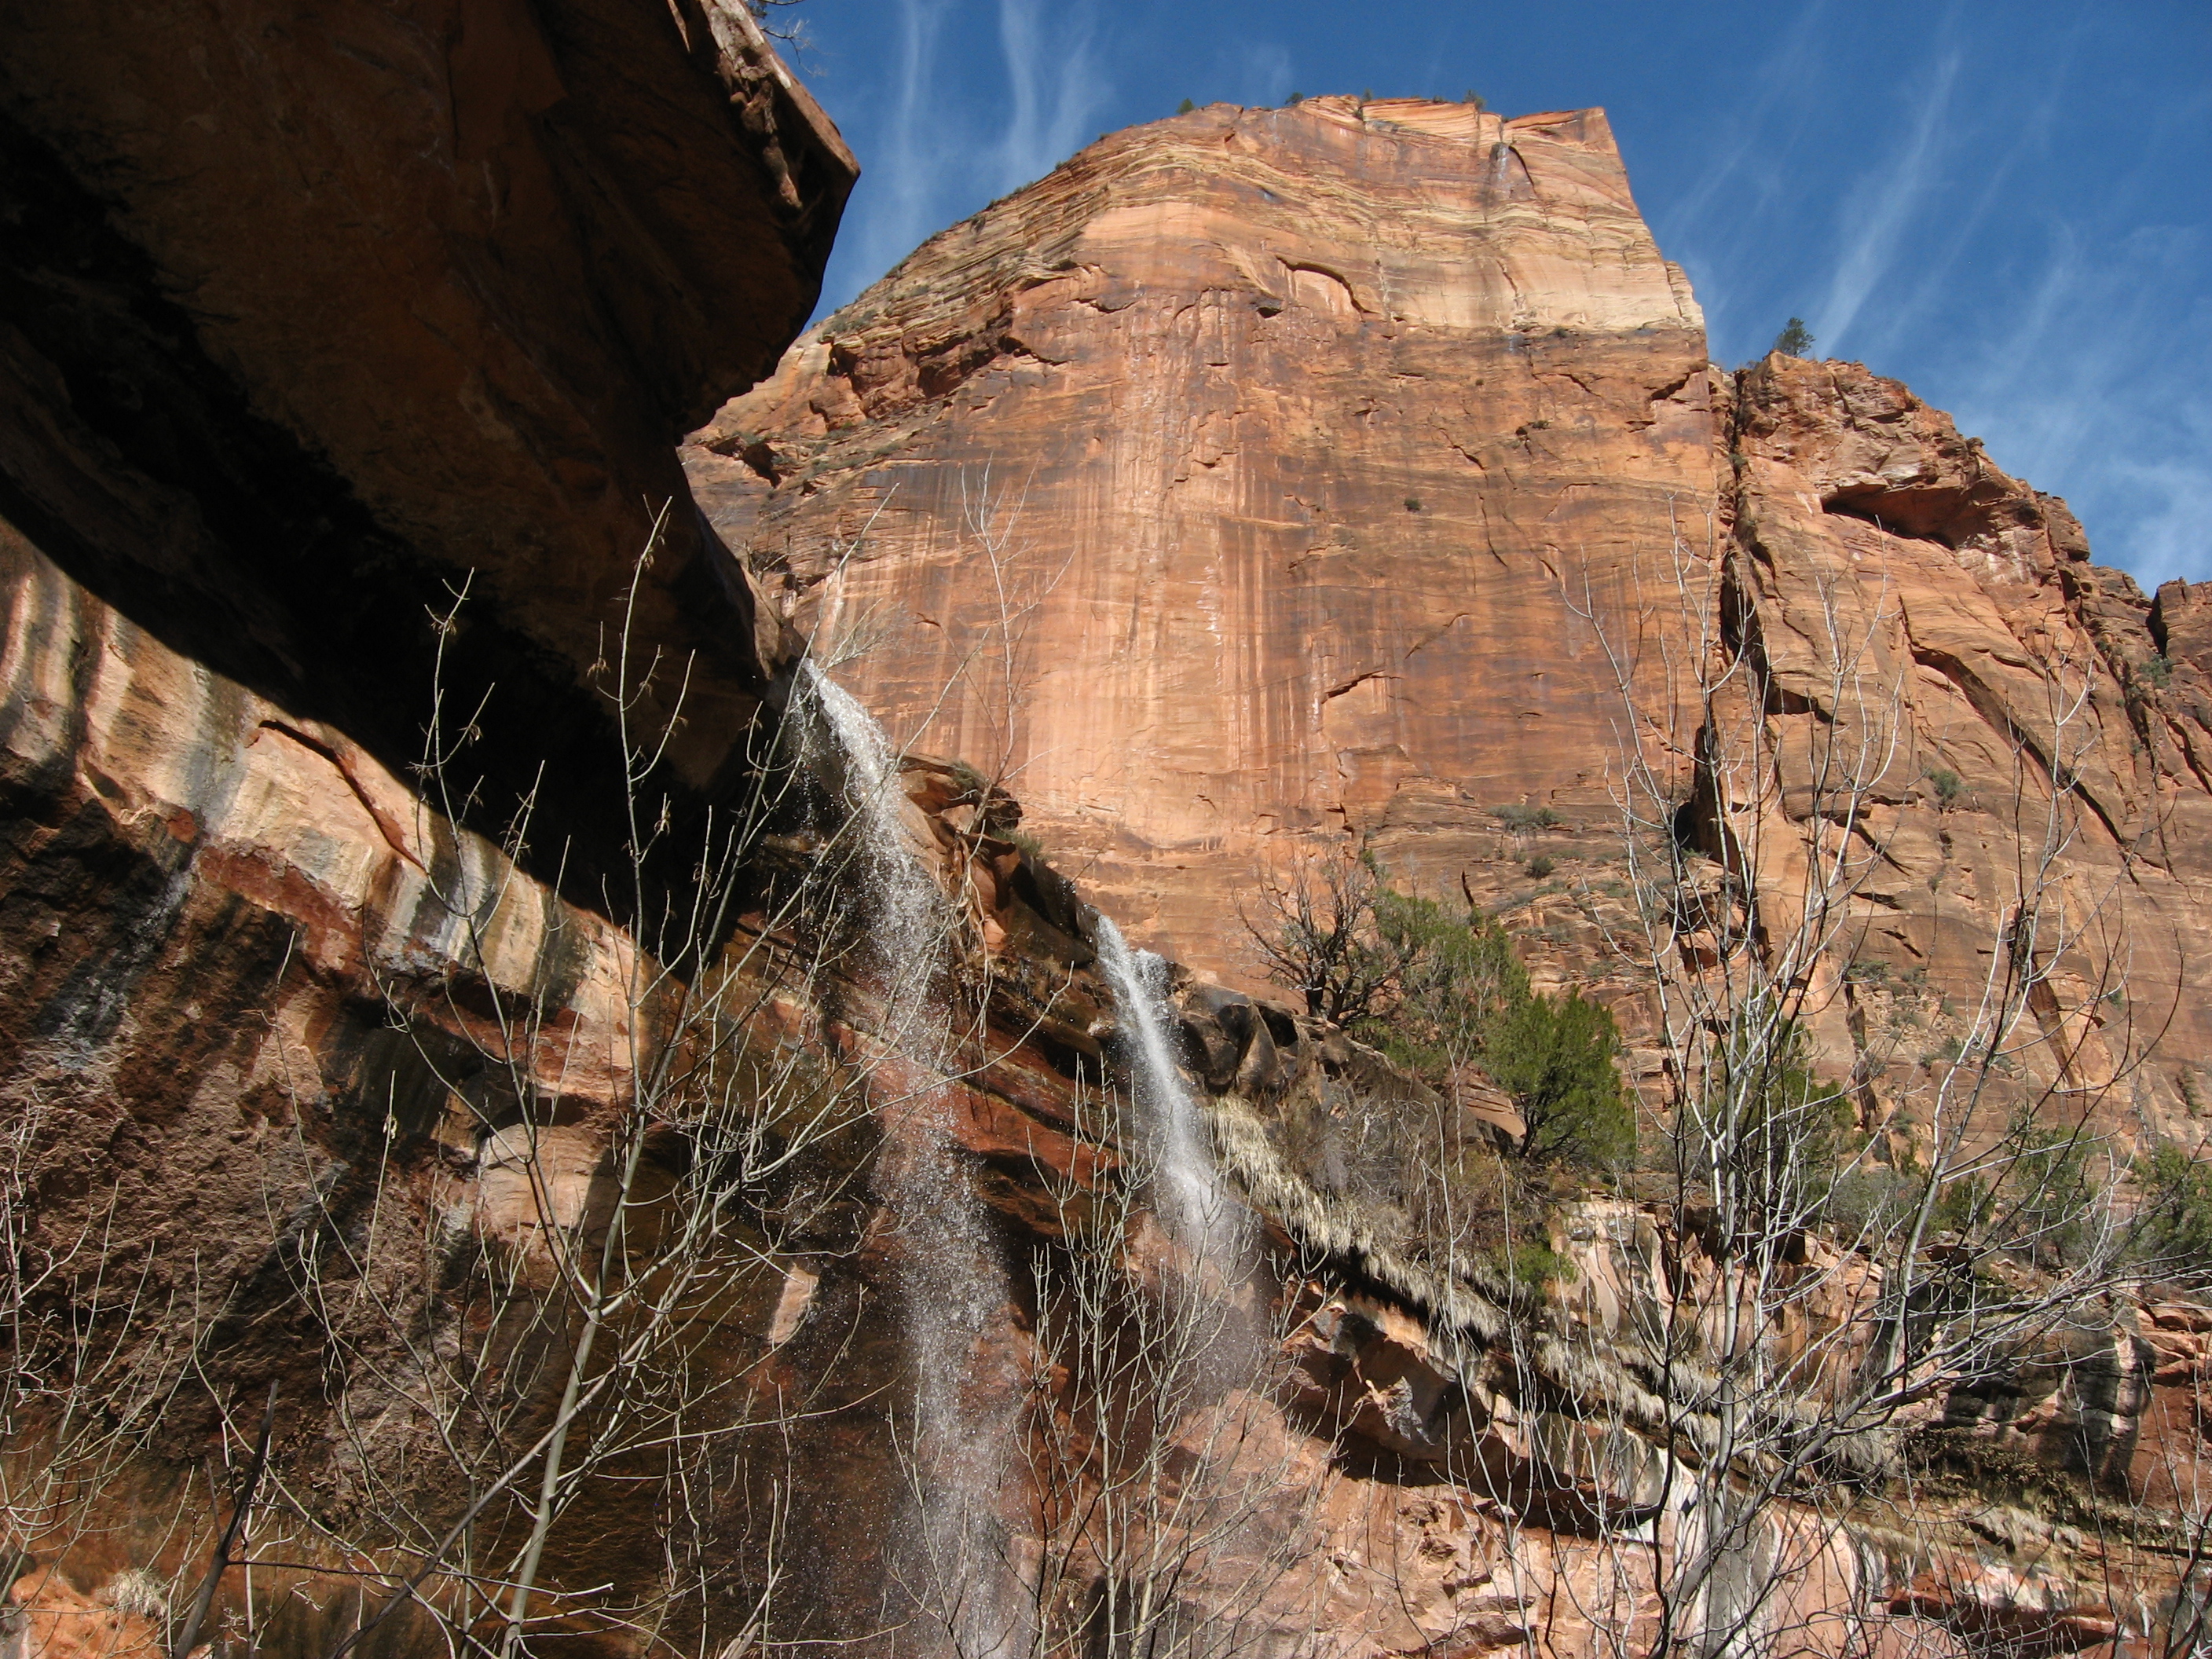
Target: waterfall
(950, 1277)
(1200, 1213)
(907, 914)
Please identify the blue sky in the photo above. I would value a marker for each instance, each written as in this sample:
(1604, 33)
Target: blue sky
(2007, 206)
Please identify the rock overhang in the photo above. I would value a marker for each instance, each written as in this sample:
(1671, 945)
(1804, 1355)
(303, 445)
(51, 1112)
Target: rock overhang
(322, 314)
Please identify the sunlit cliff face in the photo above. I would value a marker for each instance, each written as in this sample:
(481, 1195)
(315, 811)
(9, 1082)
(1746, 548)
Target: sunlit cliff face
(1261, 480)
(1253, 461)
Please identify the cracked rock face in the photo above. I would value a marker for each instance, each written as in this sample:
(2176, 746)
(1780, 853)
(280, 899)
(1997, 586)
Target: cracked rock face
(1255, 457)
(1956, 585)
(1260, 475)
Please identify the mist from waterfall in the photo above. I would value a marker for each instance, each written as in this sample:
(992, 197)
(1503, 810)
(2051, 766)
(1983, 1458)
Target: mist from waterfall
(1200, 1213)
(951, 1278)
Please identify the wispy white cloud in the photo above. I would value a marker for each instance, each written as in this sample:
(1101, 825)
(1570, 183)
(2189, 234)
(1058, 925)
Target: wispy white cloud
(2083, 391)
(952, 130)
(2076, 361)
(905, 174)
(1991, 133)
(1783, 80)
(2168, 536)
(1879, 215)
(1053, 86)
(1704, 227)
(1260, 73)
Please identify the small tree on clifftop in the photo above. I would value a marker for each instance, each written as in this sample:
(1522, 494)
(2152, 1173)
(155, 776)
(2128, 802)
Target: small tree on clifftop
(1796, 339)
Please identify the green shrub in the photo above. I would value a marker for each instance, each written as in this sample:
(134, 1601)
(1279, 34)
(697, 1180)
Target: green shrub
(1783, 1127)
(1522, 820)
(1185, 108)
(1458, 976)
(2173, 1223)
(1530, 1266)
(2043, 1194)
(968, 784)
(1867, 1203)
(1539, 867)
(1946, 785)
(2157, 669)
(1964, 1205)
(2049, 1195)
(1435, 990)
(1556, 1057)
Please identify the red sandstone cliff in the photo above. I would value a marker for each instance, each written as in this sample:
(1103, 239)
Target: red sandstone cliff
(1274, 441)
(1265, 474)
(1286, 425)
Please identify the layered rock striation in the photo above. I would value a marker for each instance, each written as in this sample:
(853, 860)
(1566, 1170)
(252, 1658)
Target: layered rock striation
(1257, 477)
(1263, 480)
(2029, 721)
(312, 319)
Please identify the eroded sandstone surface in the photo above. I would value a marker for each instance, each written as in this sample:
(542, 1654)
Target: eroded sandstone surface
(1291, 432)
(1266, 479)
(1258, 476)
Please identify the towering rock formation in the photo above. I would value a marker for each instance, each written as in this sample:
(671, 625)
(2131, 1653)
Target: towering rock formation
(1885, 553)
(1246, 462)
(1259, 476)
(1265, 474)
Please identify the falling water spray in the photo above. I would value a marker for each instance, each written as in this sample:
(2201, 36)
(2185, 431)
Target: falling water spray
(1198, 1211)
(952, 1281)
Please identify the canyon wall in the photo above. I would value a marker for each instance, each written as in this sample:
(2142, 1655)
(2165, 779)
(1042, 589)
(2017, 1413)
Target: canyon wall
(1244, 458)
(1263, 480)
(1258, 476)
(332, 338)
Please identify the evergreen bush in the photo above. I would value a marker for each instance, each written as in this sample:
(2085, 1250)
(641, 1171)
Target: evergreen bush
(1450, 991)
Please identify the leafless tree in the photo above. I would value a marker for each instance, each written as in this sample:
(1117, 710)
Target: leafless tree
(1821, 1286)
(1316, 933)
(526, 1318)
(76, 1404)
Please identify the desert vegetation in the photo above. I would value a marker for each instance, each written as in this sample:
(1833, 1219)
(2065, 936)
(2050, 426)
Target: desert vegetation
(1439, 989)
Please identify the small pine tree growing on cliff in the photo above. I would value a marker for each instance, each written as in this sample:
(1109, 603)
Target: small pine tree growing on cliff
(1557, 1056)
(2173, 1226)
(1796, 340)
